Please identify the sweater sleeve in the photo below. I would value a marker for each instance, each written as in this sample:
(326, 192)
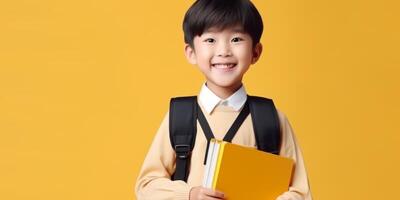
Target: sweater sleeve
(299, 188)
(154, 180)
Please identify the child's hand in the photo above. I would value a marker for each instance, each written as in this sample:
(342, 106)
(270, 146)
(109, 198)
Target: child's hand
(202, 193)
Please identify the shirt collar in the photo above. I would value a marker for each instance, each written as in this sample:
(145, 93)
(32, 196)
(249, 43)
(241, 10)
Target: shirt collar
(210, 100)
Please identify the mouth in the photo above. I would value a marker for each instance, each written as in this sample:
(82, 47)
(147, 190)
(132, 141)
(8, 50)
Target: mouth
(223, 66)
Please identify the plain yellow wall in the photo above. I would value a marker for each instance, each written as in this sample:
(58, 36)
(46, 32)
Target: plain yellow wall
(84, 86)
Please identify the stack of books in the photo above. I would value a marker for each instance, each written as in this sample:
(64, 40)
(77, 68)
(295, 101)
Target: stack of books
(246, 173)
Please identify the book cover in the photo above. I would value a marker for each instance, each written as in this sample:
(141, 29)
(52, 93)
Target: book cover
(246, 173)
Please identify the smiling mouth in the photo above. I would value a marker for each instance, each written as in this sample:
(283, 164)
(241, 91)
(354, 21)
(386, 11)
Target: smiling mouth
(224, 65)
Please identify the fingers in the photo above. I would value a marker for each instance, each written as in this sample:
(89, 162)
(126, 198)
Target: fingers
(212, 198)
(213, 193)
(201, 193)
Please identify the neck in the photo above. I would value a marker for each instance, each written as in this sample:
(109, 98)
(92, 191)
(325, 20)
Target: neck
(223, 92)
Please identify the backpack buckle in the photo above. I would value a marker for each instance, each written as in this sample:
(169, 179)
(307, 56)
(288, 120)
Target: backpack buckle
(182, 151)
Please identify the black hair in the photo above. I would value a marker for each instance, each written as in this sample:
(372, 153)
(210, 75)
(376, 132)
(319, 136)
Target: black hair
(204, 14)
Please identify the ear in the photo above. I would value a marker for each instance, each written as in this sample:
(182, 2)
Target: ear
(190, 54)
(256, 53)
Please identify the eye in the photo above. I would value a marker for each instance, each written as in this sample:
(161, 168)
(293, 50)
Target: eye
(237, 39)
(209, 40)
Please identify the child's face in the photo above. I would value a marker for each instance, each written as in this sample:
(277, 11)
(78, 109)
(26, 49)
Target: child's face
(223, 56)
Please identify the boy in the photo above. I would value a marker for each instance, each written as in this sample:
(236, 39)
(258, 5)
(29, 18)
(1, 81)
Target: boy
(223, 39)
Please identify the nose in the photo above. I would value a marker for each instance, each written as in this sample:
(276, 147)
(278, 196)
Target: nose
(223, 49)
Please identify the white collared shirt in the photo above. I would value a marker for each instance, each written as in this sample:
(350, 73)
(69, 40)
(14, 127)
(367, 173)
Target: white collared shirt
(209, 100)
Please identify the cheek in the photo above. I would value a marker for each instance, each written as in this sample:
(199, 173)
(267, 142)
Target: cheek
(204, 54)
(244, 54)
(203, 59)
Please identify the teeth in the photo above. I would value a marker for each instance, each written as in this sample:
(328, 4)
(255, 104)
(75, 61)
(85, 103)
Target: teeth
(224, 66)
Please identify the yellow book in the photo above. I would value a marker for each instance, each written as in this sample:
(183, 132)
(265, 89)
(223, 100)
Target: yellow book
(246, 173)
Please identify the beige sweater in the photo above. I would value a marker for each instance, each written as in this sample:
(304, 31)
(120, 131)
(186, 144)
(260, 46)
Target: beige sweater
(154, 183)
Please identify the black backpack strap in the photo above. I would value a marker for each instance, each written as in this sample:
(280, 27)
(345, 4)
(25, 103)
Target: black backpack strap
(231, 132)
(237, 123)
(206, 129)
(266, 124)
(182, 130)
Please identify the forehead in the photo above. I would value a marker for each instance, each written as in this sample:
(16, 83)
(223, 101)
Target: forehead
(229, 29)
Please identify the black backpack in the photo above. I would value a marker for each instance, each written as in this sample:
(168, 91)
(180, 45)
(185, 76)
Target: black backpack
(185, 111)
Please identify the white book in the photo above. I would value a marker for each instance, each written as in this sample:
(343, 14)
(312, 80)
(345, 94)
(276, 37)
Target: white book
(208, 160)
(212, 158)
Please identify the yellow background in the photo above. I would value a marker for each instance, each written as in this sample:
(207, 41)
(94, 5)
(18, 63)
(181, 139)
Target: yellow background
(84, 86)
